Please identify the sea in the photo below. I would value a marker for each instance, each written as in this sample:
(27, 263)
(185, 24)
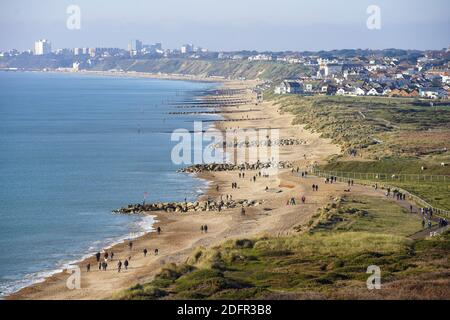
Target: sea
(73, 147)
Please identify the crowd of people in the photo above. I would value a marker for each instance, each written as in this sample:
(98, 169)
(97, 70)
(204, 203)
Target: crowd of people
(297, 170)
(291, 201)
(427, 215)
(443, 222)
(109, 257)
(332, 179)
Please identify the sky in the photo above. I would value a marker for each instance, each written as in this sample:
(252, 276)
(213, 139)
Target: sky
(226, 25)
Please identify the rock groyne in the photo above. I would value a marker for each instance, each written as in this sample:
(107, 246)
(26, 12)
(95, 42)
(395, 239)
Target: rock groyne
(197, 168)
(197, 206)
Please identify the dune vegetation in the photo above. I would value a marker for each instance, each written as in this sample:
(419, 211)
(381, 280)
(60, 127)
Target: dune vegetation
(327, 258)
(407, 140)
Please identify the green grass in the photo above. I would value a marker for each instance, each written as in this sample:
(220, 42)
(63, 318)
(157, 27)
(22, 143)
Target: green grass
(328, 260)
(436, 191)
(390, 135)
(329, 256)
(376, 127)
(367, 214)
(409, 166)
(206, 67)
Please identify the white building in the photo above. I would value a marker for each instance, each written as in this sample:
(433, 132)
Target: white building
(135, 46)
(347, 91)
(308, 87)
(76, 66)
(187, 48)
(260, 57)
(373, 92)
(92, 52)
(289, 87)
(42, 47)
(341, 92)
(432, 93)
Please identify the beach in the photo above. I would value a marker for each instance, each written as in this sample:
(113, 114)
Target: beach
(180, 232)
(136, 74)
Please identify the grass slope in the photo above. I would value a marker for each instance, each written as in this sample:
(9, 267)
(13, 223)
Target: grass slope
(222, 68)
(328, 259)
(390, 135)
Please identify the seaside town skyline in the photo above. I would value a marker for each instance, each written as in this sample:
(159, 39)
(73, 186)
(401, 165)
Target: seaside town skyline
(389, 72)
(290, 25)
(138, 47)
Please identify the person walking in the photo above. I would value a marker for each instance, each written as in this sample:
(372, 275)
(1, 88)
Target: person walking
(130, 245)
(119, 266)
(88, 267)
(97, 256)
(145, 252)
(125, 264)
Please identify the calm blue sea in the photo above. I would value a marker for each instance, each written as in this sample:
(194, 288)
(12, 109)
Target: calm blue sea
(74, 147)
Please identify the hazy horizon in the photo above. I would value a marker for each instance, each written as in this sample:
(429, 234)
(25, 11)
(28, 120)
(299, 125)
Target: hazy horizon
(229, 26)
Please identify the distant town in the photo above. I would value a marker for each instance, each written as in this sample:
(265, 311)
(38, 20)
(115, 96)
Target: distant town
(390, 72)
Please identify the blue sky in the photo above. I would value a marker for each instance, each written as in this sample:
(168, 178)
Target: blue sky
(229, 25)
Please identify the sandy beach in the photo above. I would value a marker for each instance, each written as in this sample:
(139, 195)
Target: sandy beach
(136, 74)
(180, 232)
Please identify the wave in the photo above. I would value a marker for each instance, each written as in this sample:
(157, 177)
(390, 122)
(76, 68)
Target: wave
(138, 229)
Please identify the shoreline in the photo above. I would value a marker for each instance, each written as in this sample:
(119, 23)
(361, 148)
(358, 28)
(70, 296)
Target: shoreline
(136, 74)
(181, 232)
(40, 277)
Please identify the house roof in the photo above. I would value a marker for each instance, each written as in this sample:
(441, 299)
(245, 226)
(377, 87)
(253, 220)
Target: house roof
(293, 84)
